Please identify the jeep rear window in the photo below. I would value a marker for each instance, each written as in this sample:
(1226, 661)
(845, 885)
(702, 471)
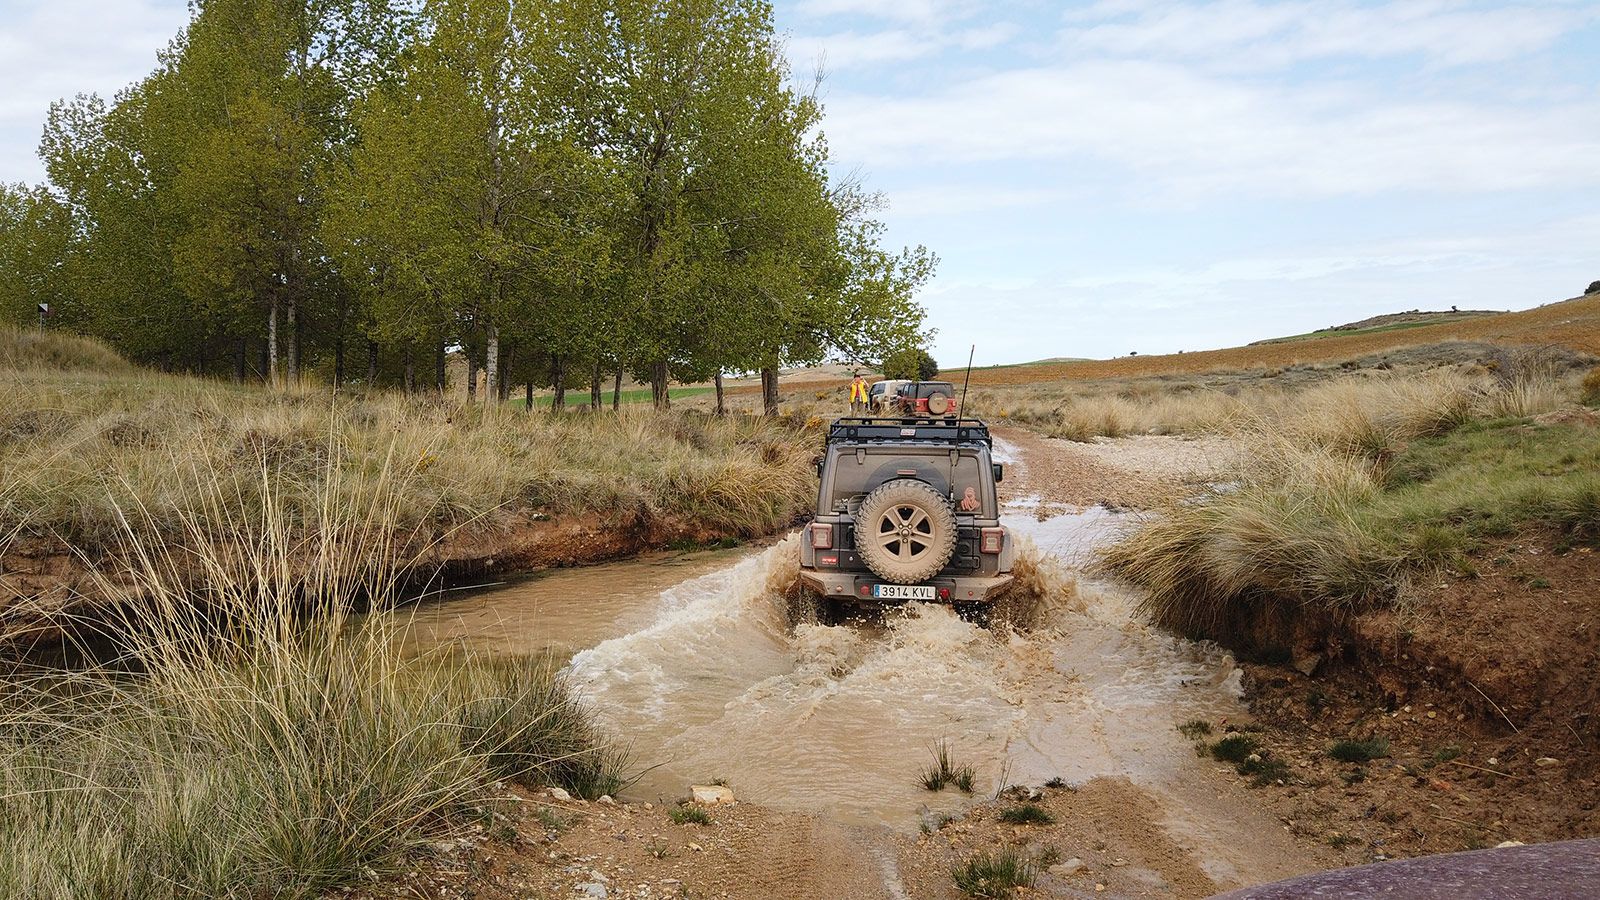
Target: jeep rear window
(856, 475)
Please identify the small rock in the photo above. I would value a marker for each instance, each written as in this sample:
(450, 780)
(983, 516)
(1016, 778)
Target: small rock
(1254, 757)
(1071, 867)
(1547, 761)
(1433, 714)
(594, 889)
(1504, 844)
(607, 800)
(1099, 887)
(559, 794)
(1306, 662)
(1493, 761)
(696, 847)
(1119, 862)
(711, 793)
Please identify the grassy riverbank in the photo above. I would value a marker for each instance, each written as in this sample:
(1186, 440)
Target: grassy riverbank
(84, 437)
(245, 734)
(1360, 486)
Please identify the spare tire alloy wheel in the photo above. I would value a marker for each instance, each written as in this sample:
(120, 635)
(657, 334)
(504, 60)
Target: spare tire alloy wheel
(938, 404)
(905, 532)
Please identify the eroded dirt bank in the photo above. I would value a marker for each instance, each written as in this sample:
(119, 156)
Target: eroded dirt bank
(43, 579)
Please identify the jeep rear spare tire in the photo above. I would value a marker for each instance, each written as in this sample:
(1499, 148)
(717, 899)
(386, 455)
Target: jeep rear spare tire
(905, 531)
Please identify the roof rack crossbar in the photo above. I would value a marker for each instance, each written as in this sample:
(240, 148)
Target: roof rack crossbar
(920, 429)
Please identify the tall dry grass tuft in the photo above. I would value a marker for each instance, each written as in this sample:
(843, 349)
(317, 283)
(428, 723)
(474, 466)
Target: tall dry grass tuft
(1292, 531)
(1316, 519)
(253, 734)
(27, 348)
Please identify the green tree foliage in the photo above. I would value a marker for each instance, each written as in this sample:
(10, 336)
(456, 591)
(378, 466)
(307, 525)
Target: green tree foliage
(562, 190)
(35, 234)
(913, 364)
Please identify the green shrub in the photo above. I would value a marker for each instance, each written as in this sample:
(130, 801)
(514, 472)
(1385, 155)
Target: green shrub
(1591, 387)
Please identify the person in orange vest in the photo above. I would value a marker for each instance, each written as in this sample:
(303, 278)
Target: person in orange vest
(858, 395)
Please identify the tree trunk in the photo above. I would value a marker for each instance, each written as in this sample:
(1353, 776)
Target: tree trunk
(527, 393)
(293, 313)
(272, 343)
(411, 371)
(594, 388)
(721, 410)
(506, 359)
(616, 392)
(769, 391)
(438, 369)
(491, 362)
(658, 386)
(558, 380)
(472, 377)
(238, 362)
(372, 364)
(338, 361)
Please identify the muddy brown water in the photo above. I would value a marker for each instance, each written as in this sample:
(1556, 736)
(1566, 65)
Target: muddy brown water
(691, 659)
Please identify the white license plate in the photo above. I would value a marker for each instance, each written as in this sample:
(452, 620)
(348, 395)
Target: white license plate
(903, 591)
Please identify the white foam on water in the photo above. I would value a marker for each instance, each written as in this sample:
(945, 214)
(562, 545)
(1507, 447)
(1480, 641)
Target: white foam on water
(841, 719)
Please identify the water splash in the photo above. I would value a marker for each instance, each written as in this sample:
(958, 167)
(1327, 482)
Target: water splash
(840, 719)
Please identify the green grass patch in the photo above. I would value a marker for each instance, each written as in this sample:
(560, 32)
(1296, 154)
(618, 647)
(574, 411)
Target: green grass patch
(1234, 748)
(945, 771)
(1353, 751)
(1026, 814)
(631, 396)
(688, 814)
(997, 874)
(1195, 729)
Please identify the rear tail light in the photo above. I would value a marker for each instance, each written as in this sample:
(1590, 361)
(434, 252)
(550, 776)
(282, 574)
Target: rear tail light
(992, 540)
(821, 536)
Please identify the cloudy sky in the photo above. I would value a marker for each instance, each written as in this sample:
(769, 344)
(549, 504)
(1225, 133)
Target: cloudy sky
(1135, 175)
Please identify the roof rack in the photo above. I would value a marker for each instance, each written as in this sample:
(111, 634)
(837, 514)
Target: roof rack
(920, 429)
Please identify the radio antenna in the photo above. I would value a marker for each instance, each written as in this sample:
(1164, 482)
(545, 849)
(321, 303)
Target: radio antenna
(965, 381)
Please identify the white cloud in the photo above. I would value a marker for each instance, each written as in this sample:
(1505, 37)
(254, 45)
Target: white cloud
(915, 12)
(1247, 34)
(1188, 132)
(50, 49)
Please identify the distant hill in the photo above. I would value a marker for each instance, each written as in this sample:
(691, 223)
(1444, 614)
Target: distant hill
(1574, 324)
(1388, 322)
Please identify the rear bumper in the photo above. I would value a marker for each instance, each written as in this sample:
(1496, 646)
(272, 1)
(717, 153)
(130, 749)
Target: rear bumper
(848, 585)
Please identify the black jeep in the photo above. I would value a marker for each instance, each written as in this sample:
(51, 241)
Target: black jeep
(907, 510)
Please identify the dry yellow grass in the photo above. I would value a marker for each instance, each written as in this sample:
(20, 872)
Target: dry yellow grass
(254, 737)
(1352, 487)
(77, 446)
